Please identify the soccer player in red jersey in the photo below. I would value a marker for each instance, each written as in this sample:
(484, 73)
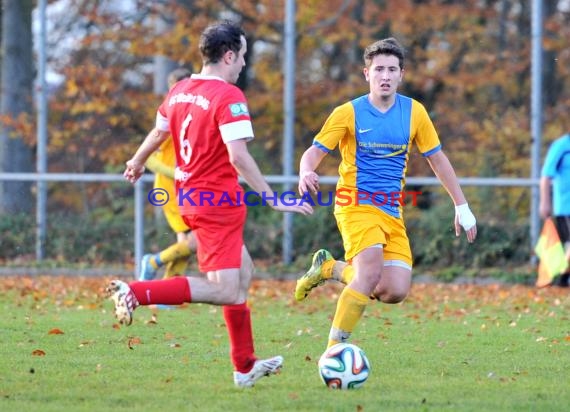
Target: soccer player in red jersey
(208, 118)
(175, 257)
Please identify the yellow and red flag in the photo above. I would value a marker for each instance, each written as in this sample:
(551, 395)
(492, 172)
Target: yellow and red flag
(550, 251)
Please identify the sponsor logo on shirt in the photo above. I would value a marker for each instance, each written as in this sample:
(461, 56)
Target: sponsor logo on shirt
(198, 100)
(180, 175)
(382, 149)
(239, 109)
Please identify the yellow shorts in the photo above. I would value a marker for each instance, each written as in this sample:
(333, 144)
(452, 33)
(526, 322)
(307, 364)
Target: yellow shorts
(364, 226)
(172, 214)
(174, 219)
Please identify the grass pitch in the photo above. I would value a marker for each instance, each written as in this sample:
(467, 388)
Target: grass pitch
(447, 348)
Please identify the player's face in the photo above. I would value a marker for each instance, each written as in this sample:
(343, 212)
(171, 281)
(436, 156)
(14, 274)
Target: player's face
(384, 75)
(238, 61)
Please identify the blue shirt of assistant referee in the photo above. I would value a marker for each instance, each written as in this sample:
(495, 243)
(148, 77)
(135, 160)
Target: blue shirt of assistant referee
(557, 168)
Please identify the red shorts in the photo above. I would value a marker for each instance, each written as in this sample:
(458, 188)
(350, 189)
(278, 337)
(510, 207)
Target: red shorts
(219, 238)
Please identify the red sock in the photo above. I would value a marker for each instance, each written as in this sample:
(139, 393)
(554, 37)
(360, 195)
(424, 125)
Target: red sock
(238, 323)
(173, 291)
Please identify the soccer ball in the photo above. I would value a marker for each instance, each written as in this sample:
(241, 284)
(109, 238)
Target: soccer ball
(344, 366)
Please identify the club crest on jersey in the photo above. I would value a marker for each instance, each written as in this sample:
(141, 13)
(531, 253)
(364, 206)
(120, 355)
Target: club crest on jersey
(239, 109)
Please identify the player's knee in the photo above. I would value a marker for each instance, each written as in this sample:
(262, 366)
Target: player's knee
(369, 278)
(229, 296)
(390, 295)
(394, 298)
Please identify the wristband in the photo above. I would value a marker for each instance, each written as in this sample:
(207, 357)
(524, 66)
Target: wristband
(466, 218)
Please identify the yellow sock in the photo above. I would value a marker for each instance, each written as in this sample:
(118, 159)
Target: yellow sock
(349, 310)
(327, 269)
(174, 252)
(347, 274)
(176, 267)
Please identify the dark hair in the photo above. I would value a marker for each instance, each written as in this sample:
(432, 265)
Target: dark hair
(219, 38)
(388, 46)
(178, 74)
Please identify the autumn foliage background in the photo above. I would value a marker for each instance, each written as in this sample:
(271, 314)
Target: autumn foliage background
(468, 62)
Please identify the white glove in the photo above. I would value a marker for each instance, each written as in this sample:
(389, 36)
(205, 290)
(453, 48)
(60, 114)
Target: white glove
(465, 216)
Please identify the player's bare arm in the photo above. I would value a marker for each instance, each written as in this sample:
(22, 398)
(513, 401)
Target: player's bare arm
(444, 171)
(246, 166)
(135, 166)
(308, 178)
(545, 207)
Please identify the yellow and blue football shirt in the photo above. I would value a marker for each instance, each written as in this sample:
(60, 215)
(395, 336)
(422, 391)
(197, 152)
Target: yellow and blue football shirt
(375, 148)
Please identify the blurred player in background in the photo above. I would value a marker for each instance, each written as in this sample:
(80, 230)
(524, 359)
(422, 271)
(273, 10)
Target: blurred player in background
(209, 121)
(555, 194)
(162, 163)
(374, 133)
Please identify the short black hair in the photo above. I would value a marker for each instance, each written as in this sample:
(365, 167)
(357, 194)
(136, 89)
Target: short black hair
(218, 38)
(388, 46)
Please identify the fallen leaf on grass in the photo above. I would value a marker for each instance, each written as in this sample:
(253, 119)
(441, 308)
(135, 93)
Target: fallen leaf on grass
(134, 341)
(38, 352)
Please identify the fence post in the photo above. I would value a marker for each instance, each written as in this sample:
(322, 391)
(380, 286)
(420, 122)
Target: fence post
(139, 224)
(536, 118)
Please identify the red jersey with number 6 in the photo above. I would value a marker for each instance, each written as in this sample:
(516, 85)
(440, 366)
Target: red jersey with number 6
(203, 114)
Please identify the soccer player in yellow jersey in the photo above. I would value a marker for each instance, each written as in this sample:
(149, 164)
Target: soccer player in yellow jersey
(162, 163)
(374, 134)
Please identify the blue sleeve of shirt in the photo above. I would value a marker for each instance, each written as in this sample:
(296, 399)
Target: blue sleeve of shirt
(552, 158)
(321, 146)
(432, 151)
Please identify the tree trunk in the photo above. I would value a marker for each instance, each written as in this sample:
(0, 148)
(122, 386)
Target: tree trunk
(16, 98)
